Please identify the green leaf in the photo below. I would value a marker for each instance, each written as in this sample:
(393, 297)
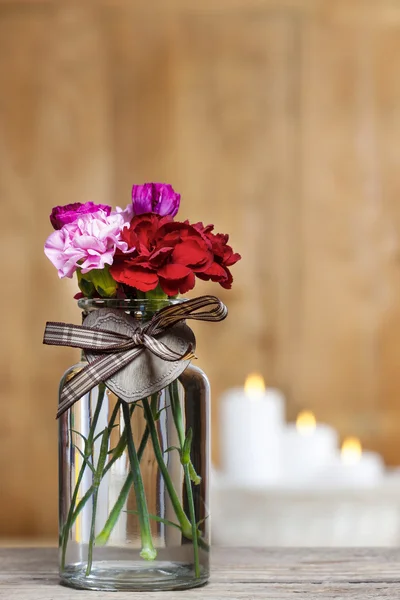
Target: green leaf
(120, 447)
(102, 458)
(85, 458)
(101, 432)
(88, 446)
(103, 282)
(80, 435)
(85, 285)
(156, 518)
(185, 456)
(193, 475)
(172, 448)
(156, 294)
(157, 414)
(202, 521)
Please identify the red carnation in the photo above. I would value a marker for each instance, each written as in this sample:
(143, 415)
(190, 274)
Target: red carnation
(224, 256)
(166, 253)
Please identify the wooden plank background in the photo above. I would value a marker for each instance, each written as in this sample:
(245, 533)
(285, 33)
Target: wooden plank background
(277, 121)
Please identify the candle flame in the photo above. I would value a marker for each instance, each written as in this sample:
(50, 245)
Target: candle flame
(254, 386)
(351, 451)
(306, 423)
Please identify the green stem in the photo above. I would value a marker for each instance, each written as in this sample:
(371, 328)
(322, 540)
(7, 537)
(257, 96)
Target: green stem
(113, 517)
(90, 491)
(120, 447)
(179, 425)
(96, 484)
(113, 416)
(202, 543)
(92, 532)
(82, 503)
(69, 521)
(177, 412)
(192, 514)
(158, 519)
(103, 537)
(148, 551)
(185, 444)
(180, 513)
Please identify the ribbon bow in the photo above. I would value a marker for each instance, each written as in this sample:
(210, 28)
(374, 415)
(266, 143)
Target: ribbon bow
(116, 350)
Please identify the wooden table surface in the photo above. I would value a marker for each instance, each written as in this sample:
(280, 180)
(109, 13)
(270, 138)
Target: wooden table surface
(248, 574)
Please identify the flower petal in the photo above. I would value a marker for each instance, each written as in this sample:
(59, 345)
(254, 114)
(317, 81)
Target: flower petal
(176, 279)
(136, 276)
(159, 198)
(192, 252)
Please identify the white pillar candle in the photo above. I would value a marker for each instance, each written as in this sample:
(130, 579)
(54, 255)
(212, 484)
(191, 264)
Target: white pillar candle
(251, 424)
(353, 467)
(308, 447)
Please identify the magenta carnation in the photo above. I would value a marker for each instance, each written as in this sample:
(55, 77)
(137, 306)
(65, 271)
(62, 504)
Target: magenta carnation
(89, 242)
(62, 215)
(159, 198)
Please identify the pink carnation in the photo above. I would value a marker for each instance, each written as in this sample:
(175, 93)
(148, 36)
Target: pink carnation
(127, 213)
(88, 243)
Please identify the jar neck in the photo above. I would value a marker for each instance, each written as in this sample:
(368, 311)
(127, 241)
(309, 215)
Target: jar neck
(141, 309)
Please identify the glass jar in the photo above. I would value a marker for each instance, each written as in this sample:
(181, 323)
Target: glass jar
(133, 481)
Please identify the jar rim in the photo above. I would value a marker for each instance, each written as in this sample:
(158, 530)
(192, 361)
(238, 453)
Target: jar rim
(128, 303)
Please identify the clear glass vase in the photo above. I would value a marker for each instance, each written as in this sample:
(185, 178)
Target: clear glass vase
(134, 482)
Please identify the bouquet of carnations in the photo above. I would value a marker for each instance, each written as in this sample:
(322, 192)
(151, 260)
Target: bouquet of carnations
(139, 250)
(131, 266)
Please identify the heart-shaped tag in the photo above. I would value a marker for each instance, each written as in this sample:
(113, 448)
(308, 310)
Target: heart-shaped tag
(147, 373)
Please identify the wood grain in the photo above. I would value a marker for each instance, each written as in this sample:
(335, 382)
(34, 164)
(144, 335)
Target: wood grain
(277, 120)
(241, 573)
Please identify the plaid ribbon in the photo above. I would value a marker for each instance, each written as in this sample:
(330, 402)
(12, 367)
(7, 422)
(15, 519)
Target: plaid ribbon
(117, 350)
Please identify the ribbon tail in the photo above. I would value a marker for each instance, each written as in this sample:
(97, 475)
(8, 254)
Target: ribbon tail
(101, 369)
(64, 406)
(84, 381)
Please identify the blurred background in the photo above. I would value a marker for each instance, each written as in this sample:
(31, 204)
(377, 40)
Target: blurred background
(279, 122)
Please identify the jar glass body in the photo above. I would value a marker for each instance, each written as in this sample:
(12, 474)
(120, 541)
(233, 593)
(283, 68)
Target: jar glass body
(127, 487)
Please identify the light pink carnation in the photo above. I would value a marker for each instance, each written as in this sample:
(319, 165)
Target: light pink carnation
(89, 243)
(127, 213)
